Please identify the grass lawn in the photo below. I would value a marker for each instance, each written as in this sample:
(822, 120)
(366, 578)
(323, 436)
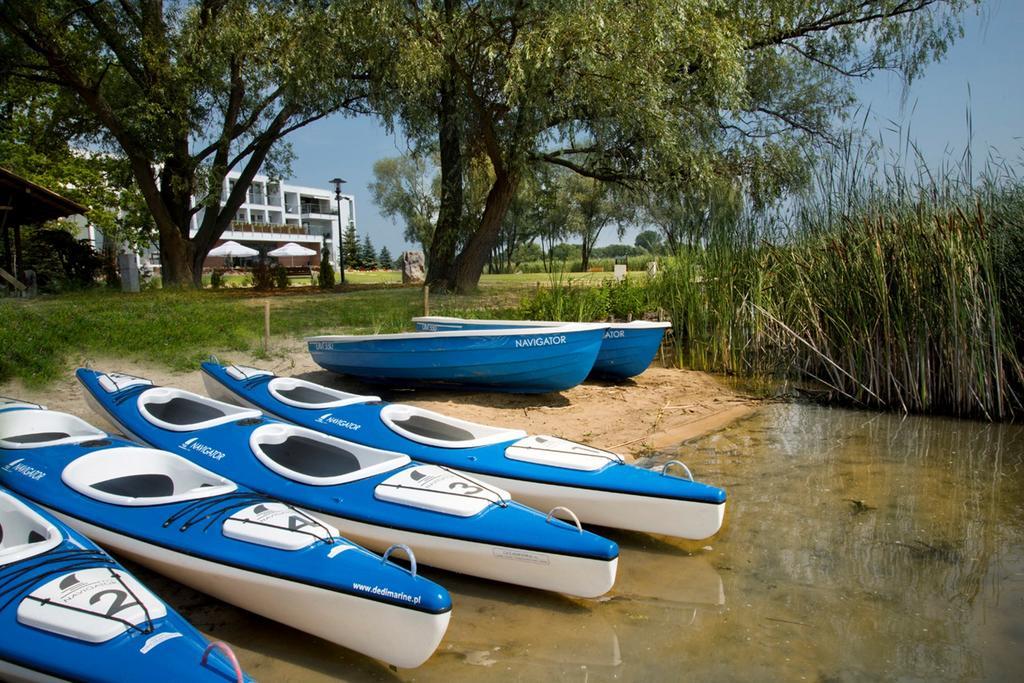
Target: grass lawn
(180, 328)
(378, 277)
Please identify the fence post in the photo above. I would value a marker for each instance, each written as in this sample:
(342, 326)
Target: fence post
(266, 326)
(426, 299)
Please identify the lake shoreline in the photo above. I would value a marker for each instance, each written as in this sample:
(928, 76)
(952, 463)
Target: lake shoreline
(655, 410)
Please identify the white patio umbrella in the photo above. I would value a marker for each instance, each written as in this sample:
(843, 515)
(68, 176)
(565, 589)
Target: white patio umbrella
(292, 250)
(231, 248)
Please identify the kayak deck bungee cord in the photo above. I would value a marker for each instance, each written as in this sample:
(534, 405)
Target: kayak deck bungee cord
(68, 611)
(201, 529)
(540, 471)
(376, 497)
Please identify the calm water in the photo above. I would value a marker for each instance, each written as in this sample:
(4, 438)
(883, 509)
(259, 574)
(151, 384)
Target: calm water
(856, 546)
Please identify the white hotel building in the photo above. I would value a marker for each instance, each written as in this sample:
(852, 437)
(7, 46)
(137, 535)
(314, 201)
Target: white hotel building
(276, 213)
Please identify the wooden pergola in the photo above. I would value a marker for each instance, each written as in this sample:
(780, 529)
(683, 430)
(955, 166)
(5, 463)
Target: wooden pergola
(23, 202)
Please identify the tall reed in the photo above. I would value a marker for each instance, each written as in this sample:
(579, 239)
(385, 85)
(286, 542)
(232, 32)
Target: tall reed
(894, 289)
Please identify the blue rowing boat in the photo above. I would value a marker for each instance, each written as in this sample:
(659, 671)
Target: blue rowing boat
(376, 497)
(541, 471)
(201, 529)
(511, 360)
(627, 349)
(70, 612)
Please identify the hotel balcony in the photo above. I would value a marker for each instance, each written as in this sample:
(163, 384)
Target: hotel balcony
(270, 232)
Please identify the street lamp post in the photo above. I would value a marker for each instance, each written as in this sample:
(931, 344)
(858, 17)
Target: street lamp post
(341, 243)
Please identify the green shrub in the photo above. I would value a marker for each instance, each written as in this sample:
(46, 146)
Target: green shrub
(280, 277)
(262, 276)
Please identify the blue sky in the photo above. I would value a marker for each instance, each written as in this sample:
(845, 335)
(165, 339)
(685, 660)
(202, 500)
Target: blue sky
(984, 70)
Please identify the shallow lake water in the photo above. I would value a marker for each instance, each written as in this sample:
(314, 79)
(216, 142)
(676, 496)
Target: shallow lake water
(857, 546)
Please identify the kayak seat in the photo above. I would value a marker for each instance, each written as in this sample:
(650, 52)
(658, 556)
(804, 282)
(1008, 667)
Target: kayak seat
(443, 431)
(299, 393)
(312, 458)
(138, 486)
(177, 410)
(26, 429)
(23, 532)
(317, 459)
(38, 437)
(304, 394)
(131, 475)
(435, 429)
(183, 411)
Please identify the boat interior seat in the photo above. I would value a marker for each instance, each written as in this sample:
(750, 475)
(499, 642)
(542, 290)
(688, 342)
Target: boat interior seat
(23, 532)
(299, 393)
(31, 428)
(177, 410)
(434, 429)
(313, 458)
(130, 475)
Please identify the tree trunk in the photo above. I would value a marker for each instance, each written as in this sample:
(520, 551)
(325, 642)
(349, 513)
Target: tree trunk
(441, 260)
(176, 259)
(470, 264)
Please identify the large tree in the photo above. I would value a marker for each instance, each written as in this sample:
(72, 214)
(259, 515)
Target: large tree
(407, 187)
(672, 91)
(187, 91)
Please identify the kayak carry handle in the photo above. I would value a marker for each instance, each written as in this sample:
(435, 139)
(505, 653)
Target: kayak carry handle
(408, 552)
(571, 514)
(229, 653)
(664, 469)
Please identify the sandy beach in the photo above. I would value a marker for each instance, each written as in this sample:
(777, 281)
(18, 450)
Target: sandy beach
(653, 412)
(660, 408)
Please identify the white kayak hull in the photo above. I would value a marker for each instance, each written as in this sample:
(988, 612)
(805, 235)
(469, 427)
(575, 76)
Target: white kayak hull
(646, 514)
(578, 576)
(402, 637)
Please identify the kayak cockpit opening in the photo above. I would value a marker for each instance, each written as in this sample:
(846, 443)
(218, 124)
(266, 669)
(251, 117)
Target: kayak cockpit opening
(37, 428)
(299, 393)
(23, 532)
(309, 457)
(131, 475)
(177, 410)
(434, 429)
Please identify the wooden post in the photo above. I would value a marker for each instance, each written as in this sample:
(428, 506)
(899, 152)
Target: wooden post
(426, 299)
(16, 261)
(266, 326)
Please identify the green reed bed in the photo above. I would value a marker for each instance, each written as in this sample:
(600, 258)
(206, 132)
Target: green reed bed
(904, 295)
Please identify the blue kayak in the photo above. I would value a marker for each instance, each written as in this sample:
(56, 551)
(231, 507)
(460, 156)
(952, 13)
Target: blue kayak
(510, 360)
(541, 471)
(164, 511)
(68, 611)
(376, 497)
(627, 349)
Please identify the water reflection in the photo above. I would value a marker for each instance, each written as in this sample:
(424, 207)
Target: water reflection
(856, 546)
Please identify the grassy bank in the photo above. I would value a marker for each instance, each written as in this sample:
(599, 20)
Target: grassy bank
(180, 328)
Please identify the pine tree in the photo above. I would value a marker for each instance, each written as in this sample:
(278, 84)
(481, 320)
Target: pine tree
(367, 254)
(350, 247)
(384, 259)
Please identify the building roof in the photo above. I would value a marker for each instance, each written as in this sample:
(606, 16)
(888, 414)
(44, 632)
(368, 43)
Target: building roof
(24, 202)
